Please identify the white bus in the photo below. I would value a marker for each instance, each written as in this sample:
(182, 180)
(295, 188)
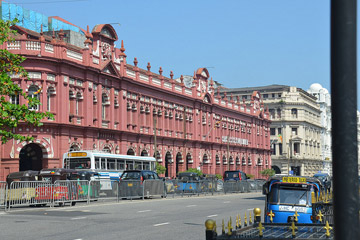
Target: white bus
(109, 166)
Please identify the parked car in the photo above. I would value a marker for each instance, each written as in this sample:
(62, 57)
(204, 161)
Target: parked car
(324, 179)
(139, 175)
(141, 183)
(235, 175)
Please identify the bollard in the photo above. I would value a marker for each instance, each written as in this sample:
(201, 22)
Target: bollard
(257, 216)
(209, 232)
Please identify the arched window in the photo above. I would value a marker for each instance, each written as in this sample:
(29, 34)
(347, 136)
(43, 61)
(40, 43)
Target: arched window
(217, 159)
(231, 160)
(144, 153)
(249, 161)
(74, 147)
(130, 152)
(34, 93)
(224, 160)
(106, 149)
(243, 160)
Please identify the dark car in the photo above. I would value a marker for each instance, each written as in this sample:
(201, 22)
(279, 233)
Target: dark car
(236, 175)
(324, 179)
(139, 175)
(141, 183)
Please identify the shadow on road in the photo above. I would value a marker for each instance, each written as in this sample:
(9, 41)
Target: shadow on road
(256, 198)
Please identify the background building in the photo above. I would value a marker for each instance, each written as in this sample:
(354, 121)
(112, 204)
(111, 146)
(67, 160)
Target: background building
(295, 129)
(102, 102)
(324, 100)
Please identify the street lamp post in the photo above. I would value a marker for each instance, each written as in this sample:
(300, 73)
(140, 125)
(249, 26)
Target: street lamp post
(290, 154)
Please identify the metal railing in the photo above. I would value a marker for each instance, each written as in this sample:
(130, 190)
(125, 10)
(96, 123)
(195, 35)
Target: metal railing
(3, 192)
(60, 193)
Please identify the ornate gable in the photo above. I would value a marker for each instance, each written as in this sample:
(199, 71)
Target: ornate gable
(109, 68)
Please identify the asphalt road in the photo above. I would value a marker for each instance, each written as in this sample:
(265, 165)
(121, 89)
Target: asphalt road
(170, 218)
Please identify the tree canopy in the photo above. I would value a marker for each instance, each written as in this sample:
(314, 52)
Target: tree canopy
(11, 112)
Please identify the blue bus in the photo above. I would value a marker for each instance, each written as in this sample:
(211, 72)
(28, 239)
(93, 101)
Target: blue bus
(286, 195)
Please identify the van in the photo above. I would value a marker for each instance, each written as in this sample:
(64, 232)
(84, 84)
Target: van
(235, 175)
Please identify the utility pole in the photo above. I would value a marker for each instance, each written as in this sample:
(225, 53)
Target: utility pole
(184, 150)
(290, 154)
(228, 149)
(155, 130)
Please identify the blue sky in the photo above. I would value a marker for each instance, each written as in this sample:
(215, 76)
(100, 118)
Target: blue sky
(243, 43)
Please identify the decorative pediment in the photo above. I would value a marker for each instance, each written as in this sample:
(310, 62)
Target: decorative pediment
(110, 68)
(203, 73)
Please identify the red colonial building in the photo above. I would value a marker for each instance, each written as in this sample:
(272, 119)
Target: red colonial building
(101, 101)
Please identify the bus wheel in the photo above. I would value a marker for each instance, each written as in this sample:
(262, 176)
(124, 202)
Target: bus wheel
(61, 204)
(73, 203)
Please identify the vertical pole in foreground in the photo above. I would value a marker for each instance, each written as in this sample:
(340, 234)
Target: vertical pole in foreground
(344, 124)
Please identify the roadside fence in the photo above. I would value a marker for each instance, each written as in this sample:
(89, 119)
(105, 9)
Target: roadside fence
(62, 192)
(3, 191)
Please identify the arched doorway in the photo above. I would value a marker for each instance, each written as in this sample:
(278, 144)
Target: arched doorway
(31, 157)
(277, 169)
(168, 160)
(130, 152)
(178, 160)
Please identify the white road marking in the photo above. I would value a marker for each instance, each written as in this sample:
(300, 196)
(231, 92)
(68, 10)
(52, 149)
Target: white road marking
(78, 239)
(215, 215)
(161, 224)
(144, 211)
(250, 209)
(85, 210)
(191, 206)
(227, 202)
(77, 218)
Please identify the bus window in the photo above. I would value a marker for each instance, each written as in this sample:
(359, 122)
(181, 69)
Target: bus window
(110, 164)
(103, 163)
(97, 163)
(146, 165)
(129, 165)
(152, 166)
(138, 166)
(120, 165)
(79, 163)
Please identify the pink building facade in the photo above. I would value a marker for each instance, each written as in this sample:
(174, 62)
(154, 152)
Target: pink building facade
(102, 102)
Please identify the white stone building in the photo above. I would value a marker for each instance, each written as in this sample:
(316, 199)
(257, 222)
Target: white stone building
(324, 99)
(295, 129)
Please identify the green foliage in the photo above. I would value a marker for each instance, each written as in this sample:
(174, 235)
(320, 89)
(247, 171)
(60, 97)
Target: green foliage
(250, 176)
(194, 170)
(219, 176)
(12, 114)
(268, 172)
(160, 169)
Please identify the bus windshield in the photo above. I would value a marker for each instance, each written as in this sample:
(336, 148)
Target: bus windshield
(289, 195)
(77, 163)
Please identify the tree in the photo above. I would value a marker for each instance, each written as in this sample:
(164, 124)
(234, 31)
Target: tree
(268, 172)
(194, 170)
(160, 169)
(11, 114)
